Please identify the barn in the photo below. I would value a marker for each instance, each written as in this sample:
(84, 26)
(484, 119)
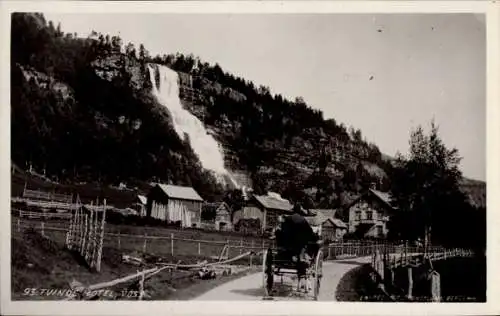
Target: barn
(172, 203)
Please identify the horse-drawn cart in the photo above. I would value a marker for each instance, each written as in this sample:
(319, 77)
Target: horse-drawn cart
(277, 262)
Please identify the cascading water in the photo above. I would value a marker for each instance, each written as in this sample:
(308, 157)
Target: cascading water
(204, 145)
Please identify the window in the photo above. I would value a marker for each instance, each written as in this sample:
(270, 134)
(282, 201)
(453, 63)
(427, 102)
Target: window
(369, 215)
(358, 215)
(375, 215)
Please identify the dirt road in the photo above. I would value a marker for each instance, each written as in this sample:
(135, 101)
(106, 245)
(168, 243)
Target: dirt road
(249, 288)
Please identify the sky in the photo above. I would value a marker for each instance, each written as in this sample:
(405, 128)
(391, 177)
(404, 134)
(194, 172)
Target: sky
(384, 74)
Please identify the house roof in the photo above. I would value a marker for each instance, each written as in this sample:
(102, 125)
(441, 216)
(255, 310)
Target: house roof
(178, 192)
(325, 212)
(273, 203)
(319, 219)
(384, 197)
(315, 220)
(142, 199)
(339, 223)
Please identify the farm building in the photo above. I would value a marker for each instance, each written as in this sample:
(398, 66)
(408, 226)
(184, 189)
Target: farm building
(173, 203)
(330, 228)
(266, 208)
(141, 204)
(369, 213)
(221, 213)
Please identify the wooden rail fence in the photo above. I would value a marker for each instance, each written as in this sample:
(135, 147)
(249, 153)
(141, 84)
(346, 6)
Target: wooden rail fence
(386, 263)
(158, 245)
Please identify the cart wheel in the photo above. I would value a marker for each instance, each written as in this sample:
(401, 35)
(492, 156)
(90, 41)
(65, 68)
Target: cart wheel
(267, 272)
(318, 273)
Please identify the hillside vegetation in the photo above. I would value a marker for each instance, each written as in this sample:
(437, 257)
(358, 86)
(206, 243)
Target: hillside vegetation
(83, 112)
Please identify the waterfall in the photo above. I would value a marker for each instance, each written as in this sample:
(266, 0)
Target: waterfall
(203, 144)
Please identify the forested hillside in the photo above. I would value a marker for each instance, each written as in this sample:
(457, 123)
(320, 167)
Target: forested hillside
(77, 124)
(82, 111)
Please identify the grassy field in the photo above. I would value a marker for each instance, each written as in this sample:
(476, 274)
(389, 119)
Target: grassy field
(187, 233)
(43, 263)
(199, 244)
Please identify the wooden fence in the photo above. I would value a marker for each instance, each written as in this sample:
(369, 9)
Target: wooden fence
(48, 196)
(353, 249)
(388, 264)
(45, 204)
(86, 234)
(179, 242)
(171, 245)
(43, 215)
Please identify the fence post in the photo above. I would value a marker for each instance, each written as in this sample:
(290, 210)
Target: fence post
(119, 241)
(199, 248)
(85, 236)
(435, 286)
(101, 239)
(43, 230)
(241, 246)
(18, 225)
(144, 246)
(329, 252)
(410, 283)
(141, 286)
(172, 243)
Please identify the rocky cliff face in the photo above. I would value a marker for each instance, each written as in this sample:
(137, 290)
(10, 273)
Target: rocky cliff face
(85, 111)
(285, 162)
(118, 66)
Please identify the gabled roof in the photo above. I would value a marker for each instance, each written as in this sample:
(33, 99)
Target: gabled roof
(315, 220)
(142, 199)
(383, 197)
(324, 212)
(270, 202)
(178, 192)
(339, 223)
(319, 219)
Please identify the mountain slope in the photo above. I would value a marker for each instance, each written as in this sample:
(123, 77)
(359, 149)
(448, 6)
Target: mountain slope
(83, 111)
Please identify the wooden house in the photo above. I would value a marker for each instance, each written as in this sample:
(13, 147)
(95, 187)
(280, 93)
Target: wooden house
(329, 227)
(266, 208)
(173, 203)
(141, 204)
(369, 213)
(222, 215)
